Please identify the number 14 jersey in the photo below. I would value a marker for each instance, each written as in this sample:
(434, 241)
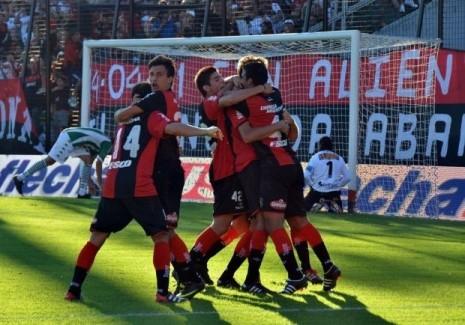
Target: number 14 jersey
(130, 173)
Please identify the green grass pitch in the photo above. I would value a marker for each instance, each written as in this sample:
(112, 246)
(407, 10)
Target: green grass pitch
(395, 271)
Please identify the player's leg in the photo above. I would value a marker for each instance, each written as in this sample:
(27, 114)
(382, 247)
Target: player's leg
(305, 229)
(301, 247)
(111, 216)
(241, 225)
(19, 179)
(273, 205)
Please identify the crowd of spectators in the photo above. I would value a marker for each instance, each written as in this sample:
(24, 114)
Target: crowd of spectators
(72, 21)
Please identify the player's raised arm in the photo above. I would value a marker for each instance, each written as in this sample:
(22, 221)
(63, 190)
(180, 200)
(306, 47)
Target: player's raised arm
(124, 114)
(233, 97)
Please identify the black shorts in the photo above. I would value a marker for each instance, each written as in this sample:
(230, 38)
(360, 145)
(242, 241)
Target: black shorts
(249, 179)
(115, 214)
(281, 189)
(169, 181)
(229, 196)
(327, 198)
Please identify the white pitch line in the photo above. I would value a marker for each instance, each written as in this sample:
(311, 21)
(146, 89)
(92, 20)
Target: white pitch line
(190, 313)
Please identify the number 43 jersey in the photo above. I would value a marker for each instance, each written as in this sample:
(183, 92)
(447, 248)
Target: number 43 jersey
(130, 173)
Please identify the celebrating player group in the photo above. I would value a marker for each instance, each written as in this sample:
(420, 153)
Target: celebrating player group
(258, 184)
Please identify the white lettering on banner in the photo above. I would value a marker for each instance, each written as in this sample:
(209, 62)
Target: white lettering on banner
(298, 122)
(315, 136)
(181, 73)
(277, 75)
(405, 74)
(434, 70)
(95, 85)
(135, 74)
(192, 178)
(343, 92)
(2, 119)
(376, 91)
(325, 78)
(434, 135)
(406, 135)
(26, 128)
(462, 138)
(373, 135)
(14, 102)
(114, 69)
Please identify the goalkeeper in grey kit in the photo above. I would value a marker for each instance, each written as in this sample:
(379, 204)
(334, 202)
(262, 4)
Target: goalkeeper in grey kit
(326, 173)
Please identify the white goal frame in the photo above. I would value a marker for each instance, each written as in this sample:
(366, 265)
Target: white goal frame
(352, 35)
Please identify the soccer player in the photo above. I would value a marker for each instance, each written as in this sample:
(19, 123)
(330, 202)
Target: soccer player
(168, 171)
(86, 143)
(280, 171)
(130, 192)
(326, 173)
(229, 217)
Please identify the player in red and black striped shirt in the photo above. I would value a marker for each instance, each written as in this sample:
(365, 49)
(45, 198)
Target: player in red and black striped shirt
(168, 173)
(280, 171)
(129, 192)
(230, 203)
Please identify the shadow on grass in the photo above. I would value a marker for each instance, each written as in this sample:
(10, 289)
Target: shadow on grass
(102, 296)
(306, 307)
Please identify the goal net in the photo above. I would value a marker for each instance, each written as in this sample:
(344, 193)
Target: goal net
(374, 95)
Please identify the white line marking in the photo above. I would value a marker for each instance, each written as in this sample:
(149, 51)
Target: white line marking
(190, 313)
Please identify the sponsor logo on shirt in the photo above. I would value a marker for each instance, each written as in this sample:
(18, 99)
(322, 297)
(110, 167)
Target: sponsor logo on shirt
(278, 204)
(271, 108)
(120, 164)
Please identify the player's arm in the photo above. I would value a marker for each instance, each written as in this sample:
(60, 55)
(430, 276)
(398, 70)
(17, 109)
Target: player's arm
(124, 114)
(293, 128)
(98, 172)
(150, 103)
(233, 97)
(187, 130)
(346, 178)
(250, 134)
(308, 173)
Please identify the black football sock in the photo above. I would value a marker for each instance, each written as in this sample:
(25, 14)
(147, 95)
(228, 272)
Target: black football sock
(215, 249)
(255, 261)
(323, 255)
(233, 265)
(303, 254)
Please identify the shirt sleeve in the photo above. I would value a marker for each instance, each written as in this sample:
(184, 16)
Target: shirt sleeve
(157, 123)
(209, 111)
(238, 115)
(153, 102)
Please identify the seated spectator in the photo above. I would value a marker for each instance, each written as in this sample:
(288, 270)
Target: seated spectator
(164, 25)
(289, 26)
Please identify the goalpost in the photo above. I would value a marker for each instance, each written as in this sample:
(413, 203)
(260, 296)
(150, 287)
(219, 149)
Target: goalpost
(372, 94)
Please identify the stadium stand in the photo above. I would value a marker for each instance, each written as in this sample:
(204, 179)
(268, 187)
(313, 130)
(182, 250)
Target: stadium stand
(73, 21)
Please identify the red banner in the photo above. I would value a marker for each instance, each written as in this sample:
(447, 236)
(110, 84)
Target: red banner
(13, 107)
(406, 76)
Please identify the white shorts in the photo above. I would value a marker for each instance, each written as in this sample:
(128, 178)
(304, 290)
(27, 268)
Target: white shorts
(63, 148)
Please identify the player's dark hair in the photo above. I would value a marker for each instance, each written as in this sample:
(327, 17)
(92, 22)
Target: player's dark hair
(142, 89)
(326, 143)
(165, 61)
(255, 68)
(202, 78)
